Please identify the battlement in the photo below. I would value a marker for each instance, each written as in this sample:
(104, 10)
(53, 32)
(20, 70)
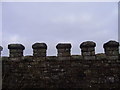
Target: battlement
(111, 50)
(88, 70)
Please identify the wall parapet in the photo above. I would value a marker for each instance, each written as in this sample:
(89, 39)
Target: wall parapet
(88, 70)
(111, 50)
(88, 50)
(16, 50)
(39, 49)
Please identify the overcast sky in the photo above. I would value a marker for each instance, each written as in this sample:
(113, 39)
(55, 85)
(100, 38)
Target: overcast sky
(52, 23)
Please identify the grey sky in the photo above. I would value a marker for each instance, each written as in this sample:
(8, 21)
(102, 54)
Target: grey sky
(52, 23)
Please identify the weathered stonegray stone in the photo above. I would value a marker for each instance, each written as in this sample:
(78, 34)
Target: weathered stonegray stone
(16, 46)
(112, 57)
(112, 53)
(15, 50)
(92, 53)
(15, 59)
(64, 49)
(111, 43)
(51, 58)
(101, 56)
(89, 44)
(89, 57)
(39, 53)
(27, 58)
(39, 58)
(39, 49)
(88, 50)
(76, 57)
(16, 53)
(89, 70)
(64, 46)
(63, 58)
(111, 49)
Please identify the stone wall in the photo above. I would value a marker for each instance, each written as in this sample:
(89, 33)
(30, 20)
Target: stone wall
(88, 70)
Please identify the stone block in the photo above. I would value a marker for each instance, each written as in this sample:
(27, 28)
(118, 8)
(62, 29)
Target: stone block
(87, 44)
(63, 58)
(36, 54)
(51, 58)
(101, 56)
(16, 50)
(16, 54)
(15, 59)
(111, 43)
(89, 57)
(111, 48)
(28, 58)
(88, 50)
(65, 54)
(39, 46)
(92, 53)
(63, 49)
(39, 58)
(85, 49)
(112, 53)
(112, 57)
(76, 57)
(63, 46)
(39, 49)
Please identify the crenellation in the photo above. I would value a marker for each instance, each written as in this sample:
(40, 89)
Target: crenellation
(111, 49)
(39, 49)
(88, 50)
(88, 70)
(64, 49)
(15, 50)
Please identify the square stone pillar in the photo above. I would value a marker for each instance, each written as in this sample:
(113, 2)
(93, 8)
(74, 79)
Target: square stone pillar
(39, 49)
(15, 50)
(64, 51)
(88, 50)
(111, 49)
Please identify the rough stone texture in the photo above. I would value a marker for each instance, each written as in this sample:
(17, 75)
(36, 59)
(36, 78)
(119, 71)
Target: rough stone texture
(16, 50)
(111, 49)
(39, 45)
(39, 49)
(98, 72)
(111, 43)
(88, 50)
(87, 44)
(89, 57)
(16, 46)
(100, 56)
(64, 49)
(54, 73)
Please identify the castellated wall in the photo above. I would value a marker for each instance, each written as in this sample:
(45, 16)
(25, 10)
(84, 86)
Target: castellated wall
(88, 71)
